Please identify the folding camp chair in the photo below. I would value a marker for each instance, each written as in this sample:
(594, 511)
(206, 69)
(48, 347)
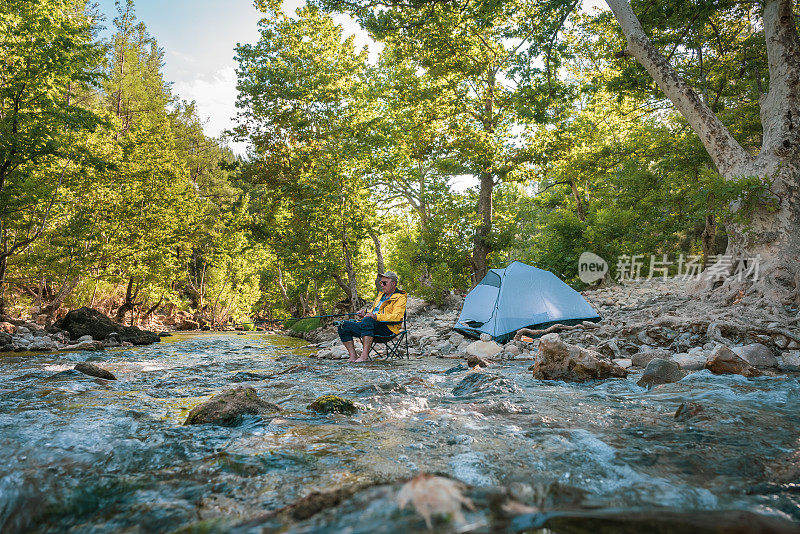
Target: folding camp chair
(393, 344)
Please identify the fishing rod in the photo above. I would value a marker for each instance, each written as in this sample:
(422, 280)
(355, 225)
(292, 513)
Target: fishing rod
(297, 318)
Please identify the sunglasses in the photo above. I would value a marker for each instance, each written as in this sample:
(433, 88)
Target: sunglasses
(385, 282)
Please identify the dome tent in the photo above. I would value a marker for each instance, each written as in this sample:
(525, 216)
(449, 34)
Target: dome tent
(520, 296)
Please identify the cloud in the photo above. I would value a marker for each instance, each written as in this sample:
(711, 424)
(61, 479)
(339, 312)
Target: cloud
(215, 96)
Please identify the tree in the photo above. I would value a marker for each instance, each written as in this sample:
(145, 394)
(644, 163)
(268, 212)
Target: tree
(47, 53)
(299, 92)
(773, 232)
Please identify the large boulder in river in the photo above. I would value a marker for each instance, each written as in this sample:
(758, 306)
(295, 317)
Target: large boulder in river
(88, 321)
(724, 361)
(229, 407)
(93, 370)
(333, 404)
(660, 371)
(558, 360)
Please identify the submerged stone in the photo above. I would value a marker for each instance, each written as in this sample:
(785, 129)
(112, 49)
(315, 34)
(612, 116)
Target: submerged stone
(660, 371)
(229, 407)
(688, 410)
(483, 383)
(93, 370)
(333, 404)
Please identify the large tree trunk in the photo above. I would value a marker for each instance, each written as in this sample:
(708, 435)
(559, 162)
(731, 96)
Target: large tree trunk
(352, 283)
(770, 242)
(578, 201)
(482, 247)
(66, 288)
(130, 298)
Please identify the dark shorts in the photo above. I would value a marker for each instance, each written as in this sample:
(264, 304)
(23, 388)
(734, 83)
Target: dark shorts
(365, 327)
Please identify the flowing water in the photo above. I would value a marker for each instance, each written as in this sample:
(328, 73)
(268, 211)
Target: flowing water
(85, 455)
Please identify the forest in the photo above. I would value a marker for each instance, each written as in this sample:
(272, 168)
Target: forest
(659, 129)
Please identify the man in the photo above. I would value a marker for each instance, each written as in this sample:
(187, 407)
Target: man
(383, 319)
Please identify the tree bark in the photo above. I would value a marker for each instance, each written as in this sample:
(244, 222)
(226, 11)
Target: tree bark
(578, 200)
(482, 246)
(709, 235)
(282, 287)
(724, 150)
(66, 288)
(770, 240)
(130, 297)
(378, 257)
(352, 283)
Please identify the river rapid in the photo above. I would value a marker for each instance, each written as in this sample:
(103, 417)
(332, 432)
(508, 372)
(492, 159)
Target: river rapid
(81, 454)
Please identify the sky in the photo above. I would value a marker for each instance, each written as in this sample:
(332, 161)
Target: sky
(198, 38)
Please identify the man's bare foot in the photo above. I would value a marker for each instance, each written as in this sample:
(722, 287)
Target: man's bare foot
(362, 360)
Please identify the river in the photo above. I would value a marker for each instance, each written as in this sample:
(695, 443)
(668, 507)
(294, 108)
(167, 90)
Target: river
(86, 455)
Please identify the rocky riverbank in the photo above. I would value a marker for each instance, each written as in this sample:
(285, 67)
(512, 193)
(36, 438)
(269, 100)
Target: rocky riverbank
(641, 322)
(82, 329)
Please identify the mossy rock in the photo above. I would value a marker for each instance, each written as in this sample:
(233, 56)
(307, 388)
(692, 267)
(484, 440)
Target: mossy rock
(333, 404)
(229, 407)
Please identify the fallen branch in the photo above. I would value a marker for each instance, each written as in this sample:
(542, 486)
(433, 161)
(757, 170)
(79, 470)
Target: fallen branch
(555, 328)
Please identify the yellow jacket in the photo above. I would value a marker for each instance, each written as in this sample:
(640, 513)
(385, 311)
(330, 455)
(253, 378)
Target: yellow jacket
(392, 310)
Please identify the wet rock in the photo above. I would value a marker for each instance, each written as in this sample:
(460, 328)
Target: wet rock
(228, 407)
(93, 370)
(688, 410)
(660, 371)
(690, 361)
(724, 361)
(457, 369)
(641, 359)
(483, 384)
(512, 349)
(790, 361)
(484, 349)
(88, 321)
(558, 360)
(757, 355)
(434, 495)
(379, 387)
(333, 404)
(674, 522)
(5, 339)
(473, 361)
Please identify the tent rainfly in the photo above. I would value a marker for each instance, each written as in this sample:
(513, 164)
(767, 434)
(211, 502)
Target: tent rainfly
(520, 296)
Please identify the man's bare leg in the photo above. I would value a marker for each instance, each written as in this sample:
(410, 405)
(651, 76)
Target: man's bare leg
(367, 342)
(351, 349)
